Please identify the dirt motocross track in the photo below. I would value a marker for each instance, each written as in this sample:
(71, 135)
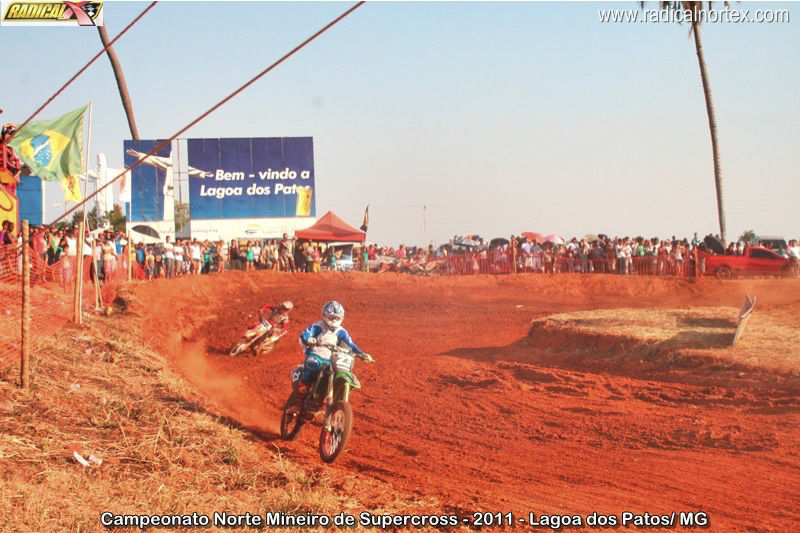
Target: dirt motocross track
(471, 404)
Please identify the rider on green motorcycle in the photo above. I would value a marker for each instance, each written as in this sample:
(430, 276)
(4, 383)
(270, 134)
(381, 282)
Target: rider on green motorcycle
(315, 339)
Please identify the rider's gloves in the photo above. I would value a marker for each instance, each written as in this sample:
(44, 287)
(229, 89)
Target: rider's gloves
(311, 341)
(367, 357)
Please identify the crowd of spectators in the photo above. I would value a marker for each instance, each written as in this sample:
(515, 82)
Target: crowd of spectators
(58, 247)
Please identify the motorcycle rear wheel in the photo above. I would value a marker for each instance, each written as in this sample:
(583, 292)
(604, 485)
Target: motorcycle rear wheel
(291, 420)
(331, 443)
(264, 348)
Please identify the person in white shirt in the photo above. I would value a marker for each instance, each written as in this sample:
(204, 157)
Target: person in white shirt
(169, 257)
(178, 253)
(793, 252)
(197, 259)
(72, 245)
(257, 251)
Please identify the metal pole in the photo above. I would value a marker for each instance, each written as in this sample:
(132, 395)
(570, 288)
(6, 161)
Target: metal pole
(425, 224)
(24, 367)
(98, 298)
(77, 314)
(76, 311)
(128, 249)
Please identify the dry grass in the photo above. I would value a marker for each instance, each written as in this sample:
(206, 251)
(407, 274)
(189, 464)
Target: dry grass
(98, 391)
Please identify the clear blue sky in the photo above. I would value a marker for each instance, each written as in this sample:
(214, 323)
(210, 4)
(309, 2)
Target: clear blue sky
(499, 117)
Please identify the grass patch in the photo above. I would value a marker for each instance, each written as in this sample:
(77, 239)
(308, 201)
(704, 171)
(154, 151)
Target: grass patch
(99, 390)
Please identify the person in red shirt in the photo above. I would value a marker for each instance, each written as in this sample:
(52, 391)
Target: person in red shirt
(276, 316)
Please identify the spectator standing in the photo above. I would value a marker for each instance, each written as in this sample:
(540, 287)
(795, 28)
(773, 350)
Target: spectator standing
(39, 241)
(287, 254)
(169, 257)
(158, 262)
(223, 254)
(316, 259)
(331, 258)
(250, 256)
(257, 253)
(109, 259)
(197, 258)
(72, 244)
(793, 253)
(149, 263)
(364, 259)
(178, 252)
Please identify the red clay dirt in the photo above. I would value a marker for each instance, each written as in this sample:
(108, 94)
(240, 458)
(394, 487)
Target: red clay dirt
(469, 404)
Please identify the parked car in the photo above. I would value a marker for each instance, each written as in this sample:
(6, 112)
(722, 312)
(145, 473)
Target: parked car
(756, 260)
(344, 256)
(773, 243)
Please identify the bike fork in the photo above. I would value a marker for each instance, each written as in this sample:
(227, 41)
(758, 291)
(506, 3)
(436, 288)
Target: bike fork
(330, 403)
(326, 423)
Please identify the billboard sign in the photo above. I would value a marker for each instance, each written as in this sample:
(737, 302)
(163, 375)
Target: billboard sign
(152, 187)
(251, 178)
(151, 184)
(30, 192)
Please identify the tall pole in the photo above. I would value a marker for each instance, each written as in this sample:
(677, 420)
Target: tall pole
(121, 85)
(86, 159)
(425, 224)
(128, 248)
(76, 312)
(78, 296)
(24, 367)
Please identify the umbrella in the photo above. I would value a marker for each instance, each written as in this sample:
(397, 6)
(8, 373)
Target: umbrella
(590, 238)
(555, 239)
(533, 236)
(499, 241)
(714, 244)
(468, 243)
(146, 230)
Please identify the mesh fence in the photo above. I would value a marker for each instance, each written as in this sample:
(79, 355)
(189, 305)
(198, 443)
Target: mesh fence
(52, 292)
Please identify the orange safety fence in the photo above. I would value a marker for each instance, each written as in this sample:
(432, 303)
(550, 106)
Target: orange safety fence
(52, 293)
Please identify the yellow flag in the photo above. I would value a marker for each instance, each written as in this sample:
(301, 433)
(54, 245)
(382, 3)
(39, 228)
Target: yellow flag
(72, 189)
(303, 201)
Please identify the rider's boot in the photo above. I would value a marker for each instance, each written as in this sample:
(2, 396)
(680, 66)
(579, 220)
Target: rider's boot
(299, 394)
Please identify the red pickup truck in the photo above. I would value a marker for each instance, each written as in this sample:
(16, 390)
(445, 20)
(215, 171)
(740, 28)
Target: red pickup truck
(755, 261)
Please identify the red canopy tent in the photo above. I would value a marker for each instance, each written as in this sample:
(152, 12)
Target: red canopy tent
(331, 228)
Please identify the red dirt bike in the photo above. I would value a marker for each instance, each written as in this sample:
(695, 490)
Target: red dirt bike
(259, 339)
(331, 391)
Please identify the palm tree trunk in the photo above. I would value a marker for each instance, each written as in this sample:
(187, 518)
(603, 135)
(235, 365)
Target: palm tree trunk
(121, 85)
(712, 126)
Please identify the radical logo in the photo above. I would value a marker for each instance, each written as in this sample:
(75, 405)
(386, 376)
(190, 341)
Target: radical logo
(48, 13)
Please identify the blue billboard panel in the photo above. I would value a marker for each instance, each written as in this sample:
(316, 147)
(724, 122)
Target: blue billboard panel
(149, 187)
(250, 177)
(30, 193)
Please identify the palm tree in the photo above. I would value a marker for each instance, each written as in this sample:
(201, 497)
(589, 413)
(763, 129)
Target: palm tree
(121, 85)
(695, 8)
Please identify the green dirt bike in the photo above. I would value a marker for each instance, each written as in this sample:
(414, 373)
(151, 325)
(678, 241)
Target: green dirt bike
(331, 392)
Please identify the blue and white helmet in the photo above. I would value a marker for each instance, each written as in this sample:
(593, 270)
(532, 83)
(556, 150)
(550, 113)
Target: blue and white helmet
(333, 314)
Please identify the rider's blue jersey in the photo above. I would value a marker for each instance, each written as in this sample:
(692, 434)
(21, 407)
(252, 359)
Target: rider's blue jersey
(319, 331)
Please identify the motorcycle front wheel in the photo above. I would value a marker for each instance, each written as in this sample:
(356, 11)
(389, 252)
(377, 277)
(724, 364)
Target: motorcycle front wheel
(238, 347)
(333, 441)
(291, 421)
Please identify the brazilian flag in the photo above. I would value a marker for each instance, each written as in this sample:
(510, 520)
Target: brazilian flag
(53, 149)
